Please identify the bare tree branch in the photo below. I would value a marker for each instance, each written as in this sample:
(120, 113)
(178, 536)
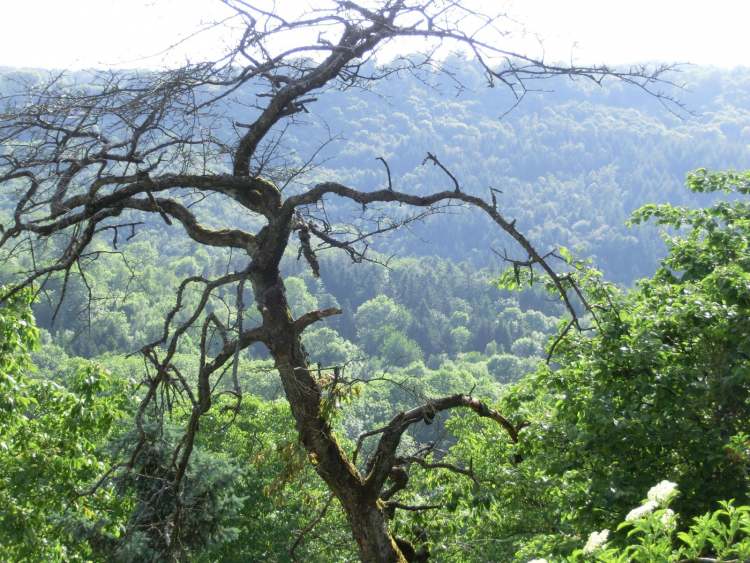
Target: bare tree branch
(76, 157)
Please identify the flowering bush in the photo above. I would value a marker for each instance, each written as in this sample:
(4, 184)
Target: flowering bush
(662, 493)
(595, 542)
(640, 511)
(723, 535)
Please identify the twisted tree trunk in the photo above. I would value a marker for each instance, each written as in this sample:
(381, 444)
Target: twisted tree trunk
(361, 505)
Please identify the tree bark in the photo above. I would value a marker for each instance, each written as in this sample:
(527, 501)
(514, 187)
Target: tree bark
(361, 505)
(370, 529)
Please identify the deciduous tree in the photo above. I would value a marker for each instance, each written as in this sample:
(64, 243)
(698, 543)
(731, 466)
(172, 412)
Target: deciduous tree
(89, 161)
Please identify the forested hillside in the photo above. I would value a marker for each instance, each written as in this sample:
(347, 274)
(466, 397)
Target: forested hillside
(422, 320)
(572, 165)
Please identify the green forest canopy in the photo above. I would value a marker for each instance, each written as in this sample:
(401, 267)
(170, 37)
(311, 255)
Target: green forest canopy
(657, 391)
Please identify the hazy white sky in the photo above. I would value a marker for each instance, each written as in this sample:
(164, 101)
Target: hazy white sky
(104, 33)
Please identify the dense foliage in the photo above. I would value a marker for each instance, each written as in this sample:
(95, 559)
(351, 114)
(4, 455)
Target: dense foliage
(54, 433)
(658, 389)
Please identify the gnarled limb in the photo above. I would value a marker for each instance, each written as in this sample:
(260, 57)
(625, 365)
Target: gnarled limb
(384, 457)
(384, 196)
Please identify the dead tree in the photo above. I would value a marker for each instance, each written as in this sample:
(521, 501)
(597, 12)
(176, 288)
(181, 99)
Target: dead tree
(87, 160)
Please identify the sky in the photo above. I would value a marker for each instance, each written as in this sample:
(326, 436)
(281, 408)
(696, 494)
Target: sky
(138, 33)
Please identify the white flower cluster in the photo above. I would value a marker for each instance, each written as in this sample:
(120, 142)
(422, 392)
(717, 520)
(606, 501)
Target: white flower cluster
(667, 518)
(596, 541)
(538, 561)
(658, 495)
(644, 510)
(662, 492)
